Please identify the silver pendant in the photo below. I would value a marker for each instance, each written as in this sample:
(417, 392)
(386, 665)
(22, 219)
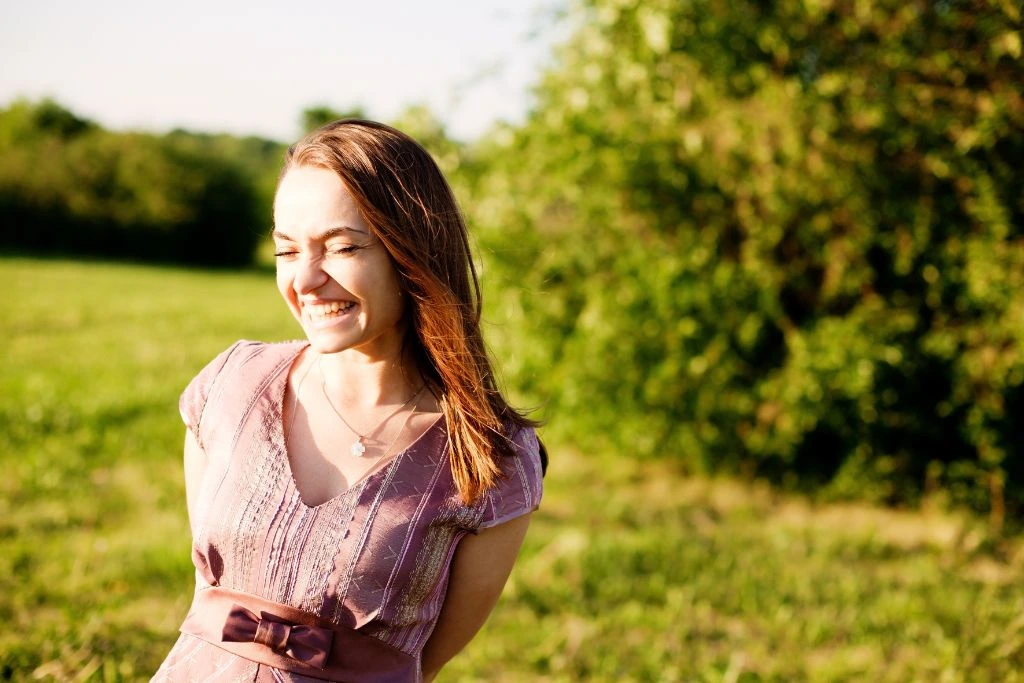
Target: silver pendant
(358, 448)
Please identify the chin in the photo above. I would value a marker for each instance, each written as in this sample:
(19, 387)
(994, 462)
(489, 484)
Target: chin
(322, 343)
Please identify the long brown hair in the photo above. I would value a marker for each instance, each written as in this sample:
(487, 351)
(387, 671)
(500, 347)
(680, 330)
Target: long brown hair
(405, 198)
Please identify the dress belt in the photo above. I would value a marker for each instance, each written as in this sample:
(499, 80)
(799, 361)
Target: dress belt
(287, 638)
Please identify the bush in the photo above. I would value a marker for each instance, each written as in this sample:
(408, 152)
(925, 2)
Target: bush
(70, 187)
(778, 239)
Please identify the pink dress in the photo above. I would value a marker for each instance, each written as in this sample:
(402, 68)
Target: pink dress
(347, 590)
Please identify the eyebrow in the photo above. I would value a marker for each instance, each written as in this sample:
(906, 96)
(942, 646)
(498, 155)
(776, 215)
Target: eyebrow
(325, 235)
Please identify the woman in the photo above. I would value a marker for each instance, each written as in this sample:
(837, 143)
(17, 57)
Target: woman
(357, 499)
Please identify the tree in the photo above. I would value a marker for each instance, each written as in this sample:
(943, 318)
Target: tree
(69, 187)
(319, 115)
(776, 238)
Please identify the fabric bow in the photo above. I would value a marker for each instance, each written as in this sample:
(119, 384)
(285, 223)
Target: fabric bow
(308, 644)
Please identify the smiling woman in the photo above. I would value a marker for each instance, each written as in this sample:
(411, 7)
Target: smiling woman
(357, 499)
(333, 272)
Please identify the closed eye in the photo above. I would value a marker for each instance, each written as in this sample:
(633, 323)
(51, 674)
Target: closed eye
(337, 250)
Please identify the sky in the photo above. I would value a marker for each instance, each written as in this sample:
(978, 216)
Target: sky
(251, 67)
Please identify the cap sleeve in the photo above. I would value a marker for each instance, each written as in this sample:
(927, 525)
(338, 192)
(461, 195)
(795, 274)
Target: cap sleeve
(192, 402)
(520, 491)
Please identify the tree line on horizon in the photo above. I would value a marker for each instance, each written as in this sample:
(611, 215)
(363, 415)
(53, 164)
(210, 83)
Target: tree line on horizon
(782, 240)
(70, 187)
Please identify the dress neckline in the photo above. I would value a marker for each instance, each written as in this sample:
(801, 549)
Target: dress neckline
(280, 387)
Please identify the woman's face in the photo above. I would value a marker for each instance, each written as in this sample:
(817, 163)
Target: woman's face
(333, 272)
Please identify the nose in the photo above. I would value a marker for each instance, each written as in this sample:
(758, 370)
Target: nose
(309, 275)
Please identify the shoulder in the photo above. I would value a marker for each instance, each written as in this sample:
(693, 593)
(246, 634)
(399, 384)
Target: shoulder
(521, 487)
(239, 355)
(245, 359)
(245, 351)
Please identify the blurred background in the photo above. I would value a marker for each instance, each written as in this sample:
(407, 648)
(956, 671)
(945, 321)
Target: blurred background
(760, 267)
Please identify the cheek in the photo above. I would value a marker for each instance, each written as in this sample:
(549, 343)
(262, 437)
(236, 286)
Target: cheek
(284, 285)
(396, 300)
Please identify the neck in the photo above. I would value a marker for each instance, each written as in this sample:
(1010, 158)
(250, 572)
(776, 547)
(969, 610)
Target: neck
(356, 380)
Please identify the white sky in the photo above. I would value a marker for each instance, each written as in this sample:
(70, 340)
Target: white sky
(252, 67)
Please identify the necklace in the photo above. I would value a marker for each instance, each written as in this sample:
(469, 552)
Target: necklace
(358, 448)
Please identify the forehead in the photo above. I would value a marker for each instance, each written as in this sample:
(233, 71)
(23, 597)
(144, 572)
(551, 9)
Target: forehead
(311, 199)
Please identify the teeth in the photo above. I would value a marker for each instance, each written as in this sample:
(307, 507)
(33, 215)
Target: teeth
(321, 311)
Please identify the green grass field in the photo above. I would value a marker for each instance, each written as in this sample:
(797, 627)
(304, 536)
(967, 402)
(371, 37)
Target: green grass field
(630, 572)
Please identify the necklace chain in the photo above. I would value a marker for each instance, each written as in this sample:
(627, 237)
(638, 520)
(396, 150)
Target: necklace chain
(358, 448)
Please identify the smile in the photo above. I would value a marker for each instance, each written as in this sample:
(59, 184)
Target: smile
(321, 312)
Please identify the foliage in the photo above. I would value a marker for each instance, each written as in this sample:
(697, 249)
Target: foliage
(68, 186)
(785, 239)
(257, 160)
(322, 114)
(640, 575)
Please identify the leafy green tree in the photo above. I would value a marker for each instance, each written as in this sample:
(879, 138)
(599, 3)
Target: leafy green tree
(70, 187)
(51, 117)
(318, 115)
(776, 238)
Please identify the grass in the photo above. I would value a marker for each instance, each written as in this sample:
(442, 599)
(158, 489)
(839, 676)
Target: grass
(630, 572)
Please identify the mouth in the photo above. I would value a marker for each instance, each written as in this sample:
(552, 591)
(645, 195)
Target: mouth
(322, 313)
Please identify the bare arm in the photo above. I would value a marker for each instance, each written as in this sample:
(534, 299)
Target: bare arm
(480, 569)
(195, 466)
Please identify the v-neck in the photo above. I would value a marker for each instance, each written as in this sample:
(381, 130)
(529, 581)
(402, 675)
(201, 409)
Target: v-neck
(280, 386)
